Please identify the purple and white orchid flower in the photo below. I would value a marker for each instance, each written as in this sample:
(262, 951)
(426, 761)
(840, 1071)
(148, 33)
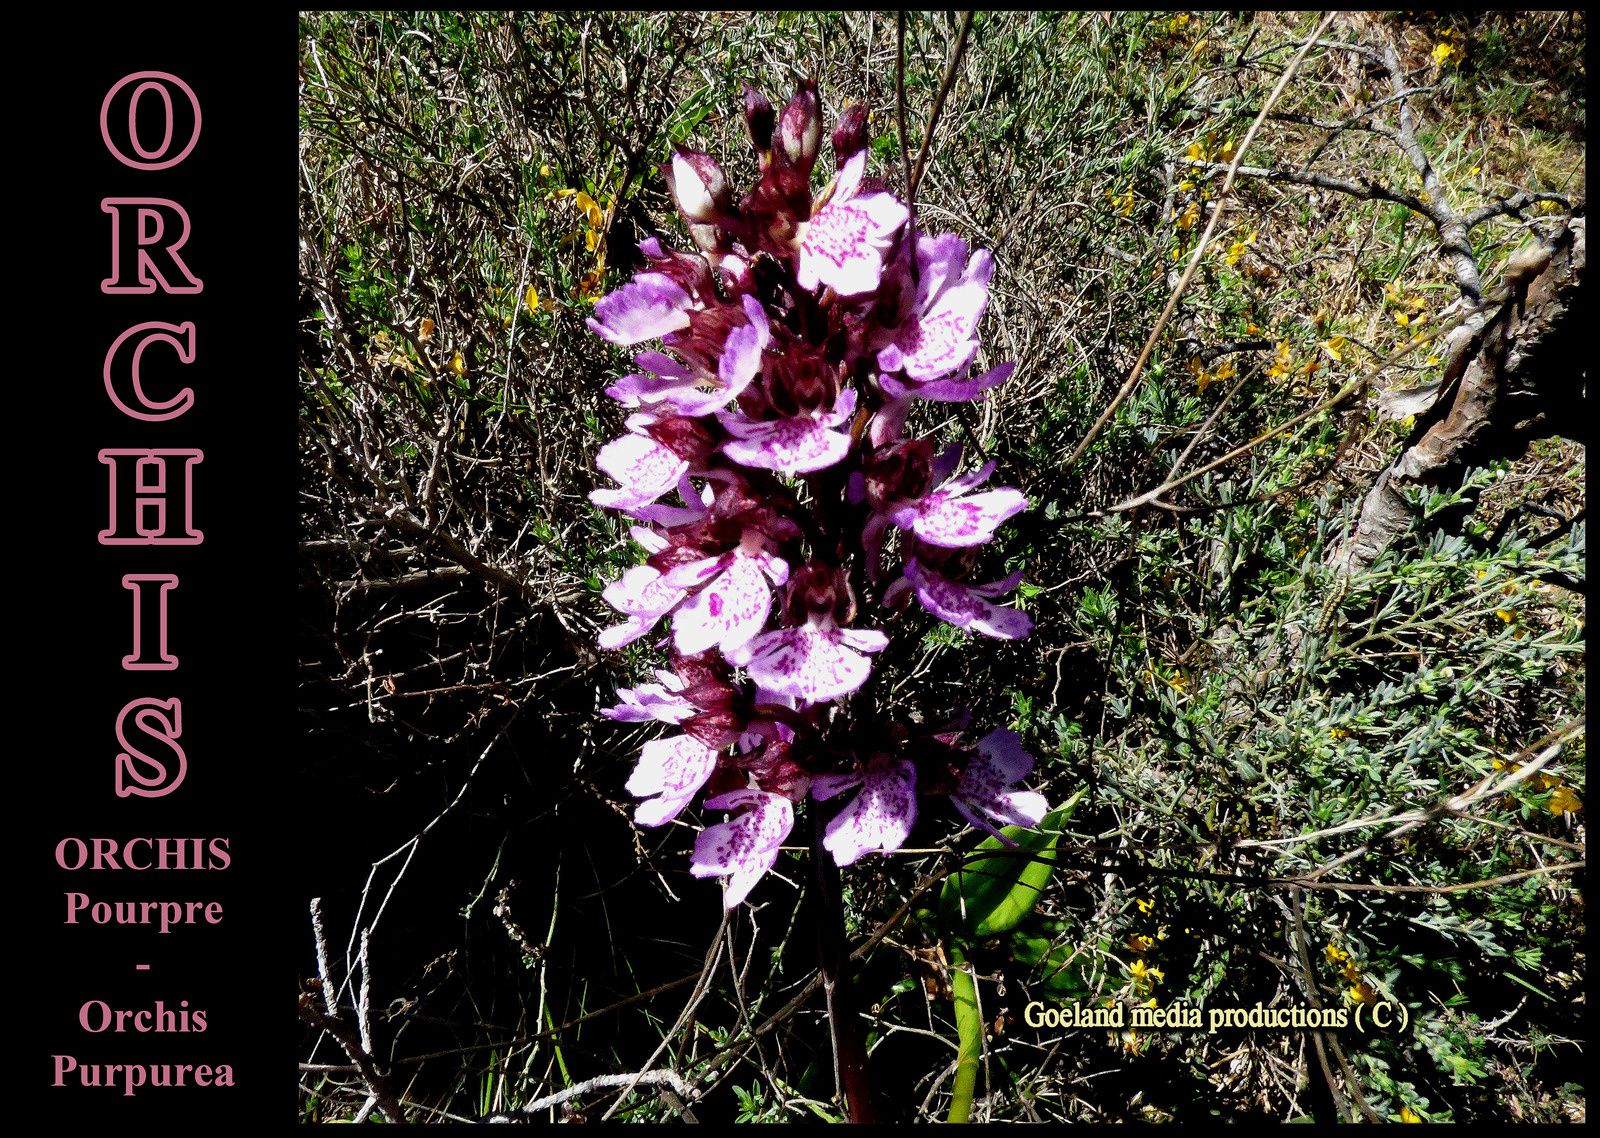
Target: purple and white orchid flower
(767, 449)
(879, 817)
(984, 795)
(846, 238)
(744, 848)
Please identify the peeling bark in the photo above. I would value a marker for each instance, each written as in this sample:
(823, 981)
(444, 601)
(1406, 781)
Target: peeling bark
(1518, 373)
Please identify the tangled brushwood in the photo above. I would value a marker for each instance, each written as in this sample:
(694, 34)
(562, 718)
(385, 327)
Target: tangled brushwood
(798, 336)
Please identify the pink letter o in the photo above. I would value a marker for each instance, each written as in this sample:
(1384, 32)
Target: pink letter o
(162, 84)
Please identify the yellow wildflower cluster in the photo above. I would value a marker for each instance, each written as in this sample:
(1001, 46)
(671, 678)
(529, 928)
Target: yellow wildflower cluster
(1282, 362)
(1563, 799)
(1358, 990)
(1204, 377)
(384, 353)
(1238, 249)
(1449, 50)
(591, 228)
(1410, 313)
(1144, 978)
(1205, 149)
(1122, 204)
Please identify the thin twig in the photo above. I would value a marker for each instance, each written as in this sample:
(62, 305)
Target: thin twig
(956, 51)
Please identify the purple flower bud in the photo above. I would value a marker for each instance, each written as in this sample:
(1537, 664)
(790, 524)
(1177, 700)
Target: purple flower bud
(758, 118)
(800, 128)
(850, 136)
(687, 438)
(698, 186)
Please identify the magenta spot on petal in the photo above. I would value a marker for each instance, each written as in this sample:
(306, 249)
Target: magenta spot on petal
(715, 604)
(838, 233)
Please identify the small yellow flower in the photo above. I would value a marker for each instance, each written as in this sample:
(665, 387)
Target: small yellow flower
(544, 171)
(1252, 328)
(1505, 615)
(1334, 954)
(1350, 972)
(1189, 216)
(1338, 733)
(589, 207)
(1402, 319)
(1362, 993)
(1335, 348)
(1446, 53)
(1238, 249)
(1177, 23)
(1144, 977)
(1197, 152)
(1281, 362)
(457, 364)
(1409, 1115)
(1123, 203)
(1564, 800)
(1140, 944)
(425, 330)
(1145, 904)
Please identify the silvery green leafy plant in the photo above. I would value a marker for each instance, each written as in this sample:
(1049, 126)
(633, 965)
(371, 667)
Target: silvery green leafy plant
(767, 460)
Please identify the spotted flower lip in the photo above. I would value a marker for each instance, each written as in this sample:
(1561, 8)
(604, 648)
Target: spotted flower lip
(939, 337)
(744, 848)
(815, 663)
(966, 606)
(845, 241)
(801, 444)
(983, 796)
(881, 814)
(733, 607)
(670, 773)
(954, 517)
